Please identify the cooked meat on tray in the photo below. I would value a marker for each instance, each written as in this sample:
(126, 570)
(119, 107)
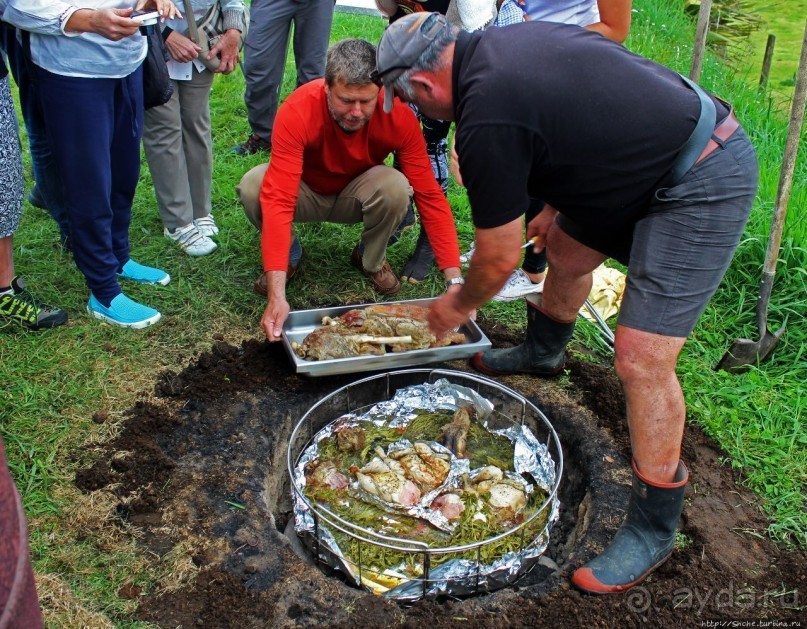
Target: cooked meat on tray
(375, 329)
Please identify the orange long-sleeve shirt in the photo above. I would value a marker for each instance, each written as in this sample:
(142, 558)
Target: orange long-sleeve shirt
(307, 145)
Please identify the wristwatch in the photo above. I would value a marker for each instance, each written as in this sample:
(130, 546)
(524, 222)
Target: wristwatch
(454, 281)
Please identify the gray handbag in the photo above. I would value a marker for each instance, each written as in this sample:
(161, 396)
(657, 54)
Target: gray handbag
(209, 30)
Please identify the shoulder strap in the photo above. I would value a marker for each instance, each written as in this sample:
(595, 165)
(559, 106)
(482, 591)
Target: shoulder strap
(700, 136)
(193, 30)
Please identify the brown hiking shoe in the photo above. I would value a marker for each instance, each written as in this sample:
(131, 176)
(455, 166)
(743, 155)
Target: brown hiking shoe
(254, 144)
(261, 285)
(384, 280)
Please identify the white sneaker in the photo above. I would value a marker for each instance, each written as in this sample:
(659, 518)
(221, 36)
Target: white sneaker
(465, 258)
(206, 226)
(190, 240)
(518, 285)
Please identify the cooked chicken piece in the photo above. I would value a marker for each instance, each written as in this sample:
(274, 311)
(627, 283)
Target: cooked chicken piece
(454, 435)
(349, 438)
(507, 494)
(384, 477)
(506, 497)
(450, 505)
(320, 473)
(487, 477)
(427, 468)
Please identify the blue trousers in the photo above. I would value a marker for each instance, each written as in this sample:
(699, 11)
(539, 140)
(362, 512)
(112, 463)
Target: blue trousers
(46, 173)
(94, 128)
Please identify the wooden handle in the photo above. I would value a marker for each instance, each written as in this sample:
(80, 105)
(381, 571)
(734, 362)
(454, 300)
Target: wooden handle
(701, 32)
(788, 161)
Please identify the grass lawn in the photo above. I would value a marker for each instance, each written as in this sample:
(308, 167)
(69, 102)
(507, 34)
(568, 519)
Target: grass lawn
(55, 382)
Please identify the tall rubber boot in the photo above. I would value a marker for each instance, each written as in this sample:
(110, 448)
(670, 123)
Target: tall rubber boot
(643, 542)
(421, 261)
(542, 353)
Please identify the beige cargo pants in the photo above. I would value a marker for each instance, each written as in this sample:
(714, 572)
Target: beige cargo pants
(378, 198)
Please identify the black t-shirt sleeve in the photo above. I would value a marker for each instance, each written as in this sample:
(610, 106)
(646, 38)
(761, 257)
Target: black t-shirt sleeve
(495, 163)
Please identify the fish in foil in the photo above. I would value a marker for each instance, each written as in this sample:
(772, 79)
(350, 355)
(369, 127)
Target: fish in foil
(374, 330)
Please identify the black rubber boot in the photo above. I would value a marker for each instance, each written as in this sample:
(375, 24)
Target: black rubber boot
(643, 542)
(421, 261)
(542, 353)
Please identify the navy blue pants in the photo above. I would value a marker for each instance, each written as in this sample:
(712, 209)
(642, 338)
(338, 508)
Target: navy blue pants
(94, 128)
(46, 173)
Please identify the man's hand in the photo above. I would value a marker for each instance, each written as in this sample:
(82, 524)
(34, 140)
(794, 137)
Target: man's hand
(181, 48)
(275, 315)
(227, 46)
(277, 310)
(446, 313)
(538, 227)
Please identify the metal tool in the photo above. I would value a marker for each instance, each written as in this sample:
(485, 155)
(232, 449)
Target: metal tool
(607, 334)
(745, 352)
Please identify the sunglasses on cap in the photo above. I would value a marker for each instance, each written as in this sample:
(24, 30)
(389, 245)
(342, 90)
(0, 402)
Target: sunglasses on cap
(378, 77)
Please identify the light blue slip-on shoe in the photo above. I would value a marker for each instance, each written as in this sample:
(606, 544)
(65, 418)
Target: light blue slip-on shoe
(144, 274)
(124, 312)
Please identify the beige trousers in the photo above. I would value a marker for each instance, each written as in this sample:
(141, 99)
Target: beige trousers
(378, 198)
(179, 151)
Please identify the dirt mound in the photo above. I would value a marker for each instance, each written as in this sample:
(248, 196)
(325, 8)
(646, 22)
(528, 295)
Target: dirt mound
(201, 472)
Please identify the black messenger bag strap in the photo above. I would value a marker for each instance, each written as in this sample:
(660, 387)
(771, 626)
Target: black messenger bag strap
(699, 138)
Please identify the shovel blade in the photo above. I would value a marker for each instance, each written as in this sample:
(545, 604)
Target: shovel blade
(746, 352)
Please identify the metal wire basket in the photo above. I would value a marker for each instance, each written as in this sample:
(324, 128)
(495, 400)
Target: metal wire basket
(455, 570)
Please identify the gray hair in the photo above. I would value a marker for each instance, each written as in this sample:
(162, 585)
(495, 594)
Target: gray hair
(430, 61)
(350, 61)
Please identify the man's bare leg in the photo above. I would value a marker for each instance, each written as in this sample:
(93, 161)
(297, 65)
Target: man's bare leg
(569, 283)
(645, 363)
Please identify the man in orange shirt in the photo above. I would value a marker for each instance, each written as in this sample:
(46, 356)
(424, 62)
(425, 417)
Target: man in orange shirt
(329, 144)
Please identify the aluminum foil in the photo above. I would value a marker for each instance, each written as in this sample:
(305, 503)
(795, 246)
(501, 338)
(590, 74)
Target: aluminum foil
(456, 576)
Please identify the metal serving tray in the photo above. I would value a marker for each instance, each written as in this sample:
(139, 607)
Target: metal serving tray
(301, 323)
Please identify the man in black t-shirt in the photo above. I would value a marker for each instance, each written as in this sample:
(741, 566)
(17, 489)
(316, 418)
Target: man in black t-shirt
(635, 163)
